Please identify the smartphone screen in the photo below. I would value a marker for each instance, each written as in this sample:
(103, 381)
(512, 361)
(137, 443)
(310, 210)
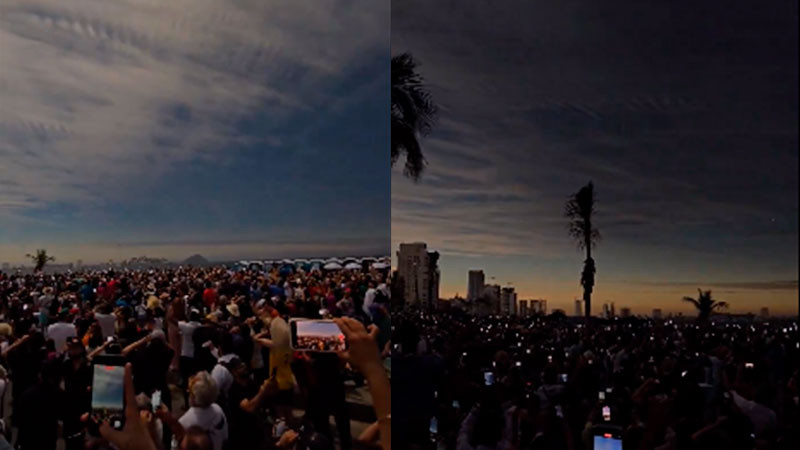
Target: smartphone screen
(563, 377)
(108, 392)
(488, 378)
(155, 401)
(607, 441)
(606, 413)
(316, 336)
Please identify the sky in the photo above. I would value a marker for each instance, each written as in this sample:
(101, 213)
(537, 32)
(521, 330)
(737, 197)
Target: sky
(234, 129)
(684, 116)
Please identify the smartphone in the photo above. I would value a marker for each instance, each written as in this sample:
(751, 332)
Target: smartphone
(607, 441)
(279, 428)
(488, 378)
(559, 411)
(607, 413)
(519, 364)
(601, 395)
(316, 336)
(108, 389)
(155, 400)
(110, 339)
(748, 365)
(563, 377)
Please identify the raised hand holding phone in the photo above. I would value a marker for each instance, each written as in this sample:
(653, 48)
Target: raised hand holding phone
(362, 351)
(134, 435)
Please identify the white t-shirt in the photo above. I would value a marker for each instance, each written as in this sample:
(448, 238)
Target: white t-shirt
(211, 419)
(369, 298)
(187, 331)
(107, 322)
(59, 332)
(222, 376)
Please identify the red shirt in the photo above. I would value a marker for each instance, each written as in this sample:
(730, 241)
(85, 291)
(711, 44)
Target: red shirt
(210, 296)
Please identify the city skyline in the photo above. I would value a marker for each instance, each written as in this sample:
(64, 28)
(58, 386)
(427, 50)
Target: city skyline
(234, 129)
(695, 170)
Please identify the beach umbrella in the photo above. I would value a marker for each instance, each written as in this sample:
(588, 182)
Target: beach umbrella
(368, 259)
(332, 266)
(353, 266)
(380, 266)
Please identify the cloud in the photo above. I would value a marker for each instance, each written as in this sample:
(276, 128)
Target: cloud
(101, 97)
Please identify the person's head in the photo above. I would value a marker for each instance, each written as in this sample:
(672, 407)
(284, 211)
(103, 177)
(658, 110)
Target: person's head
(196, 438)
(202, 390)
(239, 370)
(76, 350)
(489, 421)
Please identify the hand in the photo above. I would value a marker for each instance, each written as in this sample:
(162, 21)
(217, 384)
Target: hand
(162, 412)
(269, 385)
(134, 435)
(287, 438)
(362, 350)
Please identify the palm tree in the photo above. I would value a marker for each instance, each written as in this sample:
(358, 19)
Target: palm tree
(705, 304)
(413, 114)
(40, 259)
(580, 210)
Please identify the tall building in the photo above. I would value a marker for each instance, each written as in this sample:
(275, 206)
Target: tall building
(624, 312)
(492, 293)
(508, 301)
(657, 313)
(523, 308)
(606, 311)
(538, 306)
(475, 284)
(613, 312)
(418, 269)
(578, 308)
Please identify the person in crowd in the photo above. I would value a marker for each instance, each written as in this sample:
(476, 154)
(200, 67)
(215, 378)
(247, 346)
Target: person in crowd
(38, 425)
(61, 330)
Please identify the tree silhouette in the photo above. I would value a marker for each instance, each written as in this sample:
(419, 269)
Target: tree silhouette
(413, 114)
(40, 259)
(580, 210)
(705, 304)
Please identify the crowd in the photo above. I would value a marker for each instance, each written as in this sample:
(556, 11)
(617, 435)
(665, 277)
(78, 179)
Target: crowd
(214, 345)
(550, 382)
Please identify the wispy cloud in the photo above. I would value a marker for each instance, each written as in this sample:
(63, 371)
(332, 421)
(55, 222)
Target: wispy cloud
(99, 94)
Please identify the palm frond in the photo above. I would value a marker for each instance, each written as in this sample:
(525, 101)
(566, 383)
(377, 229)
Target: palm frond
(692, 301)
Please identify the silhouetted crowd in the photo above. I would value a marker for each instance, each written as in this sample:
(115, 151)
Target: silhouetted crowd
(214, 343)
(551, 382)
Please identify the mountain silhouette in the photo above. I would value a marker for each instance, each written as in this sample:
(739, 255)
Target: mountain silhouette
(195, 260)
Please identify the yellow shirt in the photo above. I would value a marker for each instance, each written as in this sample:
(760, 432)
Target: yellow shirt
(280, 355)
